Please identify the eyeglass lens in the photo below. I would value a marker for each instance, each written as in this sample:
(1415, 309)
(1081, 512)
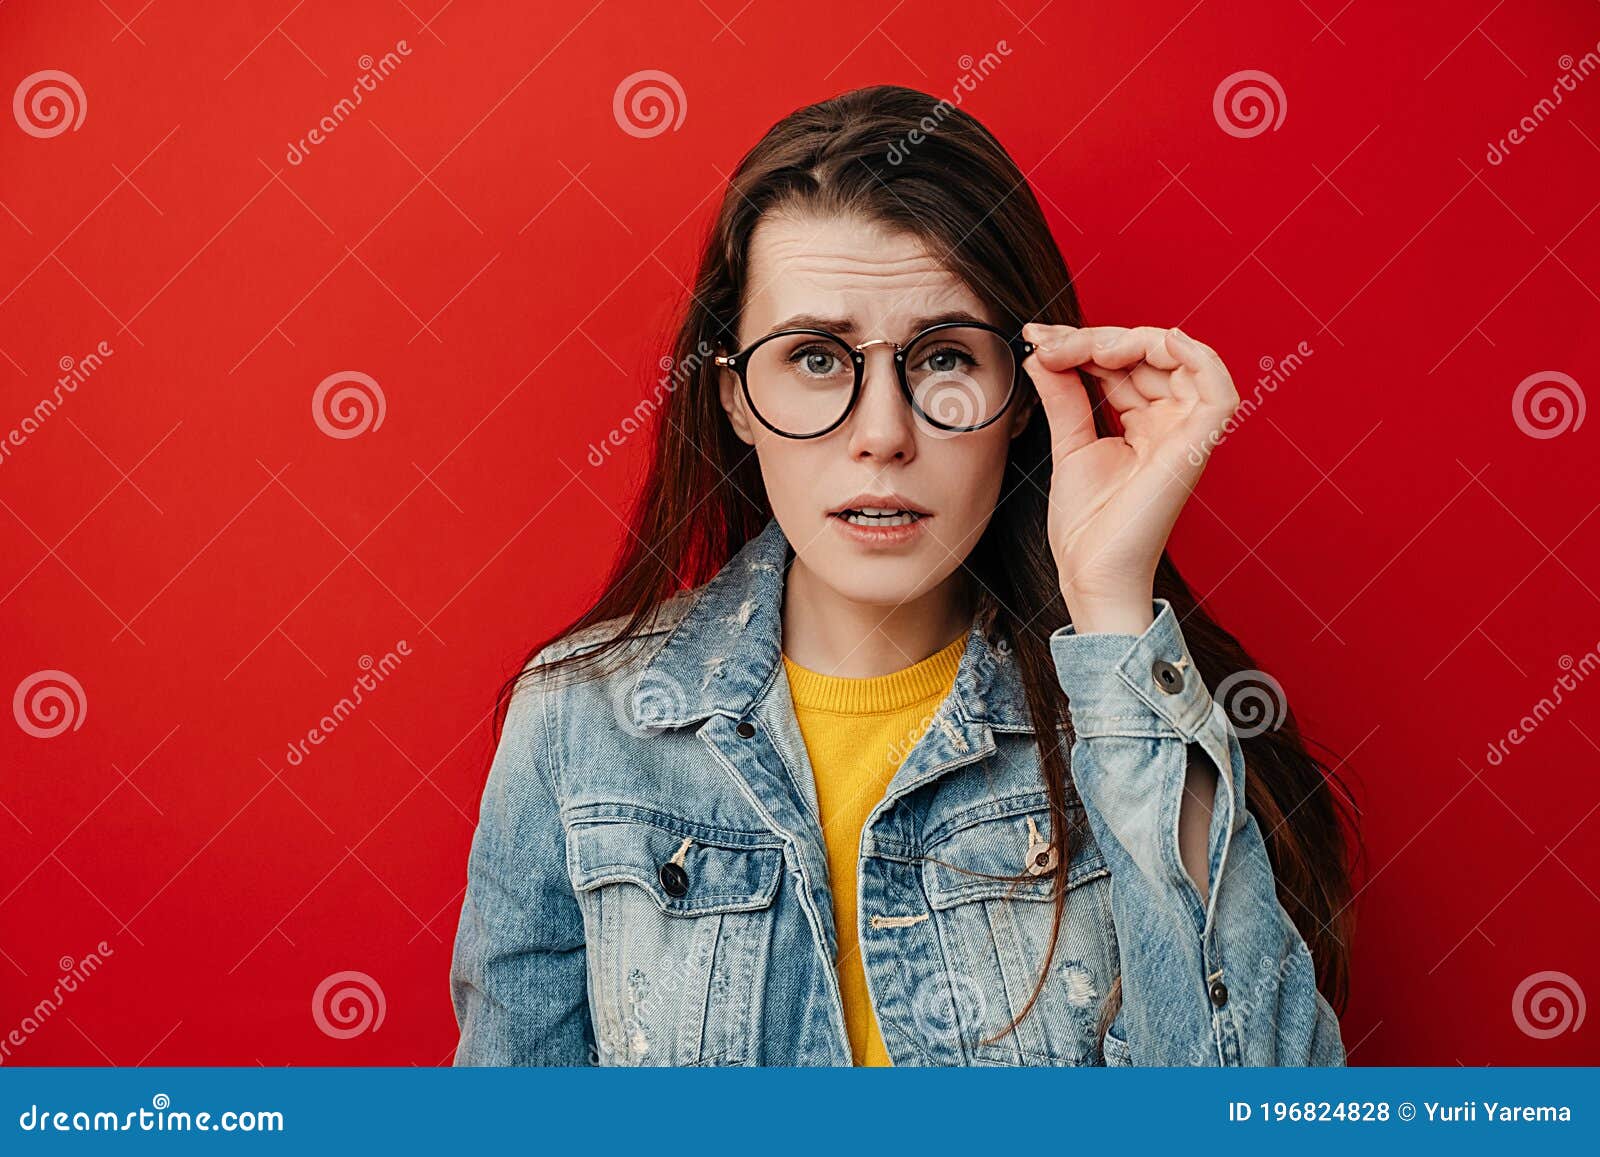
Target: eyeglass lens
(802, 383)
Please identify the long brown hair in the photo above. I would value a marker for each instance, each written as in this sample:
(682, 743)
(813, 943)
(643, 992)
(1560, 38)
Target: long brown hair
(870, 152)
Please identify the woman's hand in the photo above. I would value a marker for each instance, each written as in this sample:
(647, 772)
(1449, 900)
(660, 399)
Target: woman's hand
(1113, 501)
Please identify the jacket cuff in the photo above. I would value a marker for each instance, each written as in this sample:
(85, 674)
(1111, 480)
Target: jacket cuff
(1122, 684)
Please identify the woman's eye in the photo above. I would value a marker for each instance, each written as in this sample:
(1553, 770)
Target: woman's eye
(815, 361)
(948, 361)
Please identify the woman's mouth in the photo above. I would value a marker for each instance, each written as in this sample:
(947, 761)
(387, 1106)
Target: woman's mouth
(877, 516)
(879, 527)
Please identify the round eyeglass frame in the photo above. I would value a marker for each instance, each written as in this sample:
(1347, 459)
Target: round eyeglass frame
(739, 363)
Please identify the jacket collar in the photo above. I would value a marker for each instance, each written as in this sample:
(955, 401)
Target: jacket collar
(725, 650)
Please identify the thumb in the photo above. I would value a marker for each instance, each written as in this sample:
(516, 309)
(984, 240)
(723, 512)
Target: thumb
(1066, 406)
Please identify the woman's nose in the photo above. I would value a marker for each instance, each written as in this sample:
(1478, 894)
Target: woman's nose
(883, 425)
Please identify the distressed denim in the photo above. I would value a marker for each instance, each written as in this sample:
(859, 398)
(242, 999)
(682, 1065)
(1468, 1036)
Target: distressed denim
(648, 883)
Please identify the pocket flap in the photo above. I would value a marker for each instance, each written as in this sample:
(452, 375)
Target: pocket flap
(959, 867)
(722, 871)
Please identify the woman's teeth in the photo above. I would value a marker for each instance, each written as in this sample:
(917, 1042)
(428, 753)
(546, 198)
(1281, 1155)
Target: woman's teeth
(875, 517)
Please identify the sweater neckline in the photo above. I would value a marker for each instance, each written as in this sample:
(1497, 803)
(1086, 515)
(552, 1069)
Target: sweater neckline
(931, 678)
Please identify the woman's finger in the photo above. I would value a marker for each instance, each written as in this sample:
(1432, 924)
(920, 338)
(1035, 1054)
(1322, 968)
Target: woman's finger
(1112, 346)
(1141, 343)
(1136, 363)
(1148, 381)
(1153, 382)
(1120, 392)
(1123, 387)
(1149, 363)
(1066, 403)
(1212, 382)
(1061, 347)
(1155, 348)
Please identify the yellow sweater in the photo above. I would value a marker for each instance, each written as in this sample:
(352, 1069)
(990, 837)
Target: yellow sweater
(857, 732)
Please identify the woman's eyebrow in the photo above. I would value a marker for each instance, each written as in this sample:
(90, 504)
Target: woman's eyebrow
(846, 327)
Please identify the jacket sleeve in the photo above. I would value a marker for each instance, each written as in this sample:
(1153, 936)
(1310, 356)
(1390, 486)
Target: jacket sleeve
(517, 976)
(1227, 981)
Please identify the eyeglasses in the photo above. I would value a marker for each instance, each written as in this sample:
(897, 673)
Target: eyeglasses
(803, 383)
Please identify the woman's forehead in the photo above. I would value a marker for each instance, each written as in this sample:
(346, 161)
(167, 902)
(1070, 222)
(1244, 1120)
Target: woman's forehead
(849, 269)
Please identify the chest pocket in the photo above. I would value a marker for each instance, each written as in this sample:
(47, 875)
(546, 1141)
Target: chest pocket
(995, 934)
(678, 922)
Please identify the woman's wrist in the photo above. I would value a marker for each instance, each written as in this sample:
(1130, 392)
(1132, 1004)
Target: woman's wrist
(1123, 615)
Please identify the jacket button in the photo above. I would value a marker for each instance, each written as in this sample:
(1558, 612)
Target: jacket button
(1168, 677)
(1219, 993)
(674, 879)
(745, 729)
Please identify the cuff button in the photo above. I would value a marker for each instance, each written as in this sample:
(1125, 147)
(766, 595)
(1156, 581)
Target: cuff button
(1168, 677)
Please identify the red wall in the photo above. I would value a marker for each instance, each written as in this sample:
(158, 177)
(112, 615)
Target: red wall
(483, 239)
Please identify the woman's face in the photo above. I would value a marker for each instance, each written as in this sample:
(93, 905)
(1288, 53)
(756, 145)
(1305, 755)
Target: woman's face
(871, 283)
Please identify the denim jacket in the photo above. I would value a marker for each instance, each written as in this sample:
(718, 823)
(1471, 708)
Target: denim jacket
(648, 882)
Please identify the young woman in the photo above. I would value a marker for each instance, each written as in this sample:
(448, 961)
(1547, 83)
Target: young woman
(893, 740)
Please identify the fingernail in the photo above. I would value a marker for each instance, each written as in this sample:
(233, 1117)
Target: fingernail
(1182, 337)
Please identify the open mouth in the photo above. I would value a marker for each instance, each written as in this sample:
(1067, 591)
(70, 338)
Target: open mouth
(874, 516)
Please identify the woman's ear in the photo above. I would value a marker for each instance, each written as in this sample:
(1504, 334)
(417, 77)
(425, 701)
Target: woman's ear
(733, 405)
(1022, 412)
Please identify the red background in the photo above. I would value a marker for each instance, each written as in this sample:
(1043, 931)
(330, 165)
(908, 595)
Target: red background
(484, 240)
